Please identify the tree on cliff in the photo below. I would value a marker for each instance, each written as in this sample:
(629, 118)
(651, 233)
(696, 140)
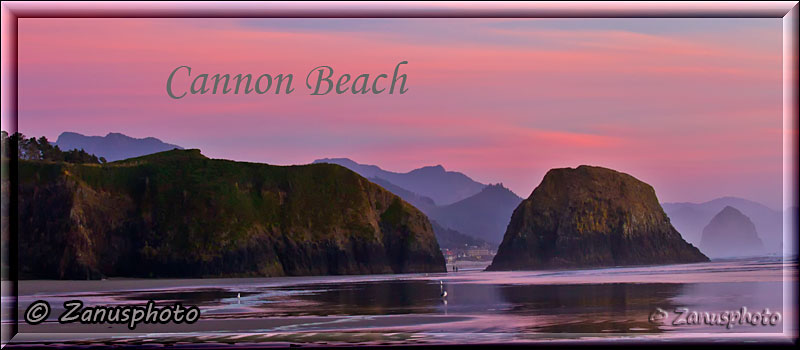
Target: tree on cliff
(42, 149)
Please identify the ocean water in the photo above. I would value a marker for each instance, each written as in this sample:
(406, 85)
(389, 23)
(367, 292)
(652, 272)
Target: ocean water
(609, 304)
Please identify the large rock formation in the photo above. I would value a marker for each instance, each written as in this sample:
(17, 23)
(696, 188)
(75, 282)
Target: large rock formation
(591, 217)
(180, 214)
(730, 233)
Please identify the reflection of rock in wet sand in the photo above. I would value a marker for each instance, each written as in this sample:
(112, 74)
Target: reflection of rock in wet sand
(715, 296)
(498, 306)
(398, 297)
(372, 298)
(591, 308)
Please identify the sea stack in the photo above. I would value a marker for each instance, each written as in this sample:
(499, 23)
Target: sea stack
(591, 217)
(730, 233)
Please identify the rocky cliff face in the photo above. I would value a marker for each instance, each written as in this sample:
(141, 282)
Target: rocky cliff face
(180, 214)
(730, 233)
(591, 217)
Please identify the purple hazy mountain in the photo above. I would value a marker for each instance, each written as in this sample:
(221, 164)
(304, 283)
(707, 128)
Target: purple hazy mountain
(448, 238)
(422, 203)
(475, 209)
(484, 215)
(114, 146)
(730, 233)
(691, 218)
(434, 182)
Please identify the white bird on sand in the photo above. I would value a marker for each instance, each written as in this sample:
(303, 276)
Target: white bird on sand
(441, 288)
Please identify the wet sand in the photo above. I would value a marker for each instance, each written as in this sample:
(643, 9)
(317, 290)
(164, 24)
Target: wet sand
(611, 304)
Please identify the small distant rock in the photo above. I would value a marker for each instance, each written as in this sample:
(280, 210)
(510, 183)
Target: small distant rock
(730, 233)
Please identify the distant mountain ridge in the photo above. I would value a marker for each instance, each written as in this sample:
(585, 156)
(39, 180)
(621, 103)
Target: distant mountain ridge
(444, 187)
(421, 202)
(482, 215)
(114, 146)
(691, 218)
(448, 238)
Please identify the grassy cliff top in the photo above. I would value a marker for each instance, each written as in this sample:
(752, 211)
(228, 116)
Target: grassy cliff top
(307, 200)
(181, 210)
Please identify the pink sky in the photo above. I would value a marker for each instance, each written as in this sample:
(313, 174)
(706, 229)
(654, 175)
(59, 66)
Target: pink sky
(691, 106)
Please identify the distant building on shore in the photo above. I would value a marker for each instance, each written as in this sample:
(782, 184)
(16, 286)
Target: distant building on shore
(478, 253)
(449, 255)
(470, 253)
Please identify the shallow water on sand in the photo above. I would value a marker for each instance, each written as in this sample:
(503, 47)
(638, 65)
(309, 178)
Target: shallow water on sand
(605, 304)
